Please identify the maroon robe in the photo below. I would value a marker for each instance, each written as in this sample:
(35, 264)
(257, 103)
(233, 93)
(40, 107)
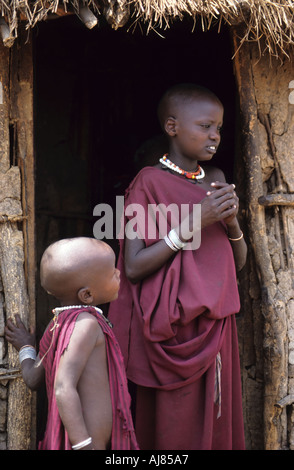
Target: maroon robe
(171, 327)
(56, 437)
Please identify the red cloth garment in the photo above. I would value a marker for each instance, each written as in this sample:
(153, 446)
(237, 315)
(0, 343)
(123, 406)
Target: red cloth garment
(177, 320)
(56, 438)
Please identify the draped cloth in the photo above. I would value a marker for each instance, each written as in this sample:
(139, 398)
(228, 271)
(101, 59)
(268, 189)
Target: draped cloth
(172, 325)
(52, 345)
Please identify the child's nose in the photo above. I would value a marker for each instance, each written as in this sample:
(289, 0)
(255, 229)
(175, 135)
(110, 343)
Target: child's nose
(214, 134)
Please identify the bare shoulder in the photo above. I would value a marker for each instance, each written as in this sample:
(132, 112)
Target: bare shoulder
(214, 174)
(87, 326)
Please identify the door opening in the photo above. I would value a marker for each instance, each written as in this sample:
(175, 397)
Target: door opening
(96, 94)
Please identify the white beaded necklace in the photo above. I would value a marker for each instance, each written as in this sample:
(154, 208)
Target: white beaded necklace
(199, 174)
(57, 310)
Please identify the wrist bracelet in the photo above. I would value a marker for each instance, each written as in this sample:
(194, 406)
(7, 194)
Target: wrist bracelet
(170, 244)
(27, 346)
(236, 239)
(82, 444)
(27, 352)
(175, 239)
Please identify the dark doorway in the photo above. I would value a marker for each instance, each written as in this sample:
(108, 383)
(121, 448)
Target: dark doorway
(96, 94)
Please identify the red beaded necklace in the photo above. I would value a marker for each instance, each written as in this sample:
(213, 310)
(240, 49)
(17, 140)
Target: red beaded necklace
(198, 174)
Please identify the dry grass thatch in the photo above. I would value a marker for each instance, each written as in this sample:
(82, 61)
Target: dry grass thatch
(267, 21)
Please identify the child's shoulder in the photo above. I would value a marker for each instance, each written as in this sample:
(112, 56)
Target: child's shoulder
(148, 173)
(88, 326)
(149, 170)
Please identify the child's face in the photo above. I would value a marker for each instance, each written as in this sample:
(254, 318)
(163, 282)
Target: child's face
(198, 126)
(106, 282)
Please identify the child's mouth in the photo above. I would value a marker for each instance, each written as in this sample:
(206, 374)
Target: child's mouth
(212, 148)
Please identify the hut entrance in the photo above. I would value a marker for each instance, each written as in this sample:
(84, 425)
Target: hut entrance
(96, 94)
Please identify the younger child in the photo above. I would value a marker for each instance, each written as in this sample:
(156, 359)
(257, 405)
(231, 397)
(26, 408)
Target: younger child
(88, 400)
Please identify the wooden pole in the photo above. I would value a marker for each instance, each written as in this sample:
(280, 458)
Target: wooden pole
(22, 121)
(19, 414)
(12, 245)
(273, 308)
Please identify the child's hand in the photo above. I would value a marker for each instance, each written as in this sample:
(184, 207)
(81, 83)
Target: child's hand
(221, 203)
(235, 206)
(17, 334)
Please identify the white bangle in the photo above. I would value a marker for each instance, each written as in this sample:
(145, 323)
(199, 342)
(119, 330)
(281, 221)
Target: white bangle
(236, 239)
(82, 444)
(27, 352)
(170, 244)
(175, 239)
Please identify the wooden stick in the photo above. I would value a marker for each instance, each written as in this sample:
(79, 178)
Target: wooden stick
(87, 17)
(277, 199)
(288, 400)
(7, 39)
(264, 119)
(9, 374)
(12, 218)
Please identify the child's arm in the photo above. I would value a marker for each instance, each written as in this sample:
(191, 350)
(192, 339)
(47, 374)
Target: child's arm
(238, 243)
(17, 334)
(234, 232)
(140, 261)
(85, 337)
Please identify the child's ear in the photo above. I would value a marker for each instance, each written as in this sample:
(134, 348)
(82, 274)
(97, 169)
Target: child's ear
(171, 126)
(85, 296)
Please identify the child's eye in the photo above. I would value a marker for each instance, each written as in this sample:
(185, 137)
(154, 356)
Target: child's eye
(205, 126)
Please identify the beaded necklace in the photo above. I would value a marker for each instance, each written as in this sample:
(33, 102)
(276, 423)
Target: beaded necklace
(198, 174)
(57, 310)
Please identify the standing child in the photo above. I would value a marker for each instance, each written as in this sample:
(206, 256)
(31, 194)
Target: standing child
(88, 400)
(174, 318)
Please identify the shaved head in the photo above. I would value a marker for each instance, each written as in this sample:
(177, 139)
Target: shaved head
(180, 95)
(66, 264)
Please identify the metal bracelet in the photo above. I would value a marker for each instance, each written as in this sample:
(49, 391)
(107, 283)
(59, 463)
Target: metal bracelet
(175, 239)
(82, 444)
(27, 352)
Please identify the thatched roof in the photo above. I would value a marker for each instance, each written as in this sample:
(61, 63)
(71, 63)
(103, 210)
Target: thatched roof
(266, 21)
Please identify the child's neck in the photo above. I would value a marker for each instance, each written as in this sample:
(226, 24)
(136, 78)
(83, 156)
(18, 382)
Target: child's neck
(183, 162)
